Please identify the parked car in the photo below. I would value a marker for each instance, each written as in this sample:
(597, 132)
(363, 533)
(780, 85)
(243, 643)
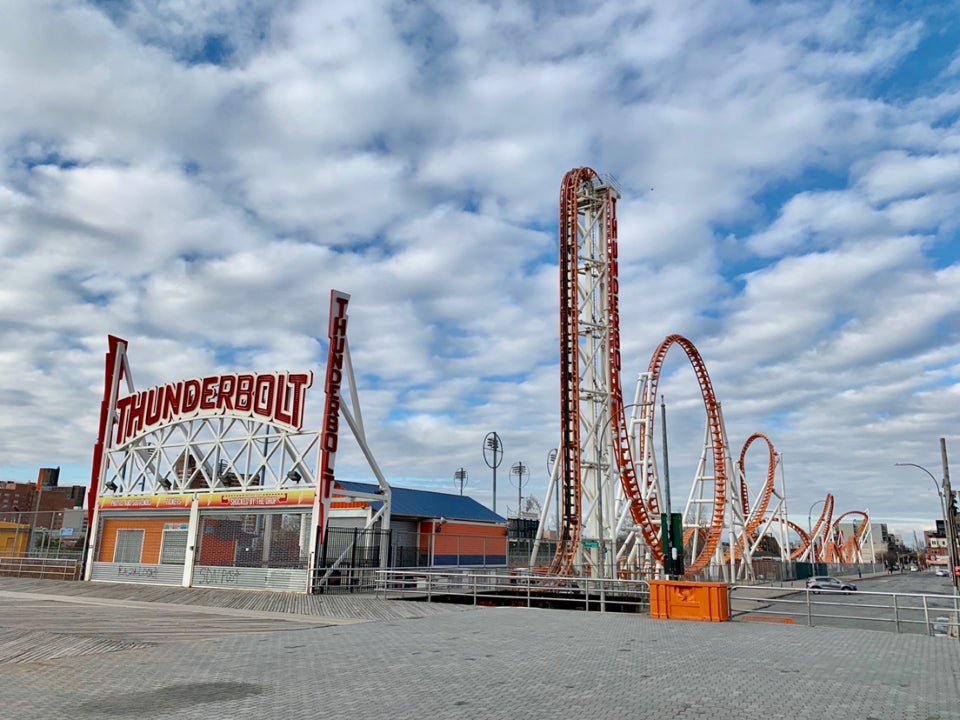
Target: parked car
(941, 626)
(826, 583)
(941, 572)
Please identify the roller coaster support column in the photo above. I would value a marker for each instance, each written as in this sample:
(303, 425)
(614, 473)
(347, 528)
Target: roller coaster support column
(671, 523)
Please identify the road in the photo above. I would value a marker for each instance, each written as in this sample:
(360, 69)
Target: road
(920, 598)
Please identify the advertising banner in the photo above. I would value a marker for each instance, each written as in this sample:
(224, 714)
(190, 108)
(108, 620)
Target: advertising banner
(277, 498)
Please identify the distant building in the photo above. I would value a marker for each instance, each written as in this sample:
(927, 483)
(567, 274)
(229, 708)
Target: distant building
(522, 528)
(46, 498)
(16, 498)
(935, 546)
(874, 543)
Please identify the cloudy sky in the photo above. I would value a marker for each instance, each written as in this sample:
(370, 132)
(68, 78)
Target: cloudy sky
(196, 175)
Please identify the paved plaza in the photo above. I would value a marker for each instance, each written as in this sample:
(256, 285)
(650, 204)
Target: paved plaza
(83, 650)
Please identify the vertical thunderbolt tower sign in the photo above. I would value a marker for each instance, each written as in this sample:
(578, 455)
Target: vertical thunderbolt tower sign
(337, 334)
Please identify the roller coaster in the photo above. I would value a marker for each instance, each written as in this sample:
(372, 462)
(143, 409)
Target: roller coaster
(611, 502)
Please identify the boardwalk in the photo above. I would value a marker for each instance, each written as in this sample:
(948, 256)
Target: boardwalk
(88, 651)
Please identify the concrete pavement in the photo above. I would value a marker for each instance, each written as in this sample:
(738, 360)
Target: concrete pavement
(120, 655)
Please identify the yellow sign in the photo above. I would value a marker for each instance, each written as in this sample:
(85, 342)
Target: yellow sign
(182, 501)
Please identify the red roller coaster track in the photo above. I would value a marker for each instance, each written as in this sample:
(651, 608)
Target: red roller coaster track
(583, 188)
(754, 519)
(717, 438)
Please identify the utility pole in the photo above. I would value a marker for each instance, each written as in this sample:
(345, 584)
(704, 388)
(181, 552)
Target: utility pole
(671, 523)
(950, 518)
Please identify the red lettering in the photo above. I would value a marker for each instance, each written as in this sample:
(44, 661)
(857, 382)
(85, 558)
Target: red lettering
(283, 401)
(275, 397)
(154, 405)
(340, 300)
(171, 401)
(266, 387)
(337, 330)
(191, 396)
(228, 384)
(123, 409)
(135, 416)
(299, 382)
(244, 395)
(208, 393)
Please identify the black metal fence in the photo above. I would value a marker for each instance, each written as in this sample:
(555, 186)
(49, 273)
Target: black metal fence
(349, 556)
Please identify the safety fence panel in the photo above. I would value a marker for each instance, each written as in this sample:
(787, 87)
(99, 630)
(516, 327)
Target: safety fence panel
(517, 589)
(519, 552)
(41, 568)
(349, 557)
(913, 613)
(54, 533)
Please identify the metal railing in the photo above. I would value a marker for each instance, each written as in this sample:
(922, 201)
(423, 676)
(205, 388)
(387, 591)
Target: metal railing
(515, 589)
(41, 567)
(916, 613)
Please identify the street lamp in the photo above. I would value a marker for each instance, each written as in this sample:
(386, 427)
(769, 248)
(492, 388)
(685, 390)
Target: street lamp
(951, 549)
(943, 510)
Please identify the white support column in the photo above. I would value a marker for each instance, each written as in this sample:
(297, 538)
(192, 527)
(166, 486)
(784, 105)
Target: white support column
(315, 516)
(193, 529)
(93, 542)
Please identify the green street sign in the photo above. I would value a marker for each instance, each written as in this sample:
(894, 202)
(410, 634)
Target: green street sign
(591, 543)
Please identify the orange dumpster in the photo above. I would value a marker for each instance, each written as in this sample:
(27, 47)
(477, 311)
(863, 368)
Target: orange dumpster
(679, 600)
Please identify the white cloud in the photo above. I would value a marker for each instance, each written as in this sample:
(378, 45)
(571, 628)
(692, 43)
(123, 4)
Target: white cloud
(195, 177)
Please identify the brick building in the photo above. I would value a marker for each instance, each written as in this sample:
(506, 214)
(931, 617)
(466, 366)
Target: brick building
(45, 498)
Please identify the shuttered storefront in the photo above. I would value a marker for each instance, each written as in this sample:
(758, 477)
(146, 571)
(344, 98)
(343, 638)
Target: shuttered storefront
(265, 550)
(141, 549)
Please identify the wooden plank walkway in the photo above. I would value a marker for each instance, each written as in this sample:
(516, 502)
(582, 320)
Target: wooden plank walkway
(357, 606)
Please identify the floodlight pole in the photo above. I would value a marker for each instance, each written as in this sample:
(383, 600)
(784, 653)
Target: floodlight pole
(460, 477)
(519, 469)
(493, 459)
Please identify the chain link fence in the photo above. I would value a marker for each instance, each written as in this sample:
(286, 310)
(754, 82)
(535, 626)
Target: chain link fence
(46, 544)
(47, 534)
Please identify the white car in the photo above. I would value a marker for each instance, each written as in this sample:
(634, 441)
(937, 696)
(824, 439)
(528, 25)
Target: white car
(941, 572)
(941, 626)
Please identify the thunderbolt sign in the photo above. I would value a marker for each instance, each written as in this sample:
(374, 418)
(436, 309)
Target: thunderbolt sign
(275, 397)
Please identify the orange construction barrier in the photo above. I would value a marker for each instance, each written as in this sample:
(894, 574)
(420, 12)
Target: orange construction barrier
(678, 600)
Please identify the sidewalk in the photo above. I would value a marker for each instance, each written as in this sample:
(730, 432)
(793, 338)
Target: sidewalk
(124, 657)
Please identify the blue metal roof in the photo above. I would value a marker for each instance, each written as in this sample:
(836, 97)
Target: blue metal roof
(427, 504)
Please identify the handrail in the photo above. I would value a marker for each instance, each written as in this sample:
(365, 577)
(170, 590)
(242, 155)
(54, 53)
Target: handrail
(906, 612)
(528, 589)
(41, 567)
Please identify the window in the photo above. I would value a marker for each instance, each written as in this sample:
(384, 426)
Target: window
(173, 548)
(129, 546)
